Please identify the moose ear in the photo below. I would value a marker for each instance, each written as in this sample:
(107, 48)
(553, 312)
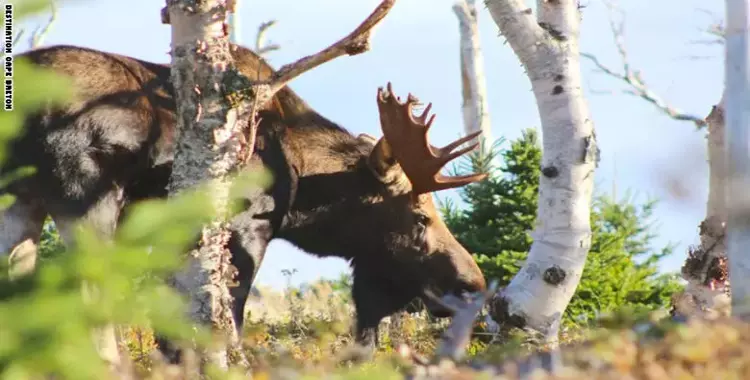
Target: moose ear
(382, 161)
(367, 138)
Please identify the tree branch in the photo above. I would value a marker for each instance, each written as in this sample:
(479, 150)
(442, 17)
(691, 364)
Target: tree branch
(715, 29)
(633, 78)
(38, 35)
(260, 46)
(41, 32)
(357, 42)
(17, 38)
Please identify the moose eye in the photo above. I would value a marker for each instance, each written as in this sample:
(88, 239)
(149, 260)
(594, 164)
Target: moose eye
(420, 232)
(422, 221)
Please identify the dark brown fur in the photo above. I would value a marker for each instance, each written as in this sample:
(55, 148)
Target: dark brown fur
(114, 145)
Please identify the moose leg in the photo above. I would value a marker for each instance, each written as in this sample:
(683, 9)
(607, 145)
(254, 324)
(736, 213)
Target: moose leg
(247, 264)
(20, 230)
(251, 232)
(248, 244)
(374, 299)
(103, 217)
(371, 306)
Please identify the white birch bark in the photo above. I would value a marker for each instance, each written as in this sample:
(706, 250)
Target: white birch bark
(707, 294)
(473, 82)
(548, 49)
(208, 147)
(737, 118)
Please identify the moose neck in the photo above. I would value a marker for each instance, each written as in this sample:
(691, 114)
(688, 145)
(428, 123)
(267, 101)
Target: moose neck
(333, 186)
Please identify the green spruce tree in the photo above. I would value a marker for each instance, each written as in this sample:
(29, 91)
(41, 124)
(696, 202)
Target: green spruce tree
(621, 269)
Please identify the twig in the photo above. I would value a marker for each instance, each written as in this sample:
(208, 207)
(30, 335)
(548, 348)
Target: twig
(356, 42)
(41, 32)
(260, 47)
(17, 38)
(715, 29)
(458, 334)
(633, 77)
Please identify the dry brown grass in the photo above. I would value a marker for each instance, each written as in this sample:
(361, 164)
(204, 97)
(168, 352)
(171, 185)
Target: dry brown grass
(288, 335)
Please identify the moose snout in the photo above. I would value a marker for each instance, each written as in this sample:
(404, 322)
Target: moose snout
(474, 284)
(469, 277)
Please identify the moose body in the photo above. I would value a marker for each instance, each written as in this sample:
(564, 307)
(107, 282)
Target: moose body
(334, 194)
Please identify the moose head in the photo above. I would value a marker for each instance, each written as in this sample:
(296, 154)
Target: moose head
(381, 216)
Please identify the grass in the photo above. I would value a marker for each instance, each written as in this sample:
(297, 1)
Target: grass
(295, 334)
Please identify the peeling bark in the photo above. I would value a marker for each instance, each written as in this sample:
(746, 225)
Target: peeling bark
(548, 49)
(473, 82)
(707, 292)
(209, 145)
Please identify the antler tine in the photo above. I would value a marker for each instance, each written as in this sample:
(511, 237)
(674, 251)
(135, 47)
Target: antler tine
(411, 100)
(449, 148)
(406, 134)
(423, 117)
(442, 182)
(446, 158)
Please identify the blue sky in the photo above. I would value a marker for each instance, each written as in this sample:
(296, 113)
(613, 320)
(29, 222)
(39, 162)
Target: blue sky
(416, 48)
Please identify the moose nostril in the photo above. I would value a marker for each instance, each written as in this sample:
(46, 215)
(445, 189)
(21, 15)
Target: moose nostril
(471, 286)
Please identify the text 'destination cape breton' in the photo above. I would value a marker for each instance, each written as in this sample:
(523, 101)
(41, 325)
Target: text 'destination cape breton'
(8, 55)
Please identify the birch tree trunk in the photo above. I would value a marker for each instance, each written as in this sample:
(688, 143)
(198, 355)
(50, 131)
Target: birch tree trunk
(208, 146)
(474, 89)
(705, 269)
(214, 134)
(548, 49)
(737, 118)
(707, 294)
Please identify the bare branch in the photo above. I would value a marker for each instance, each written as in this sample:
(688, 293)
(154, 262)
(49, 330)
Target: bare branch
(633, 78)
(715, 29)
(17, 38)
(41, 32)
(260, 39)
(357, 42)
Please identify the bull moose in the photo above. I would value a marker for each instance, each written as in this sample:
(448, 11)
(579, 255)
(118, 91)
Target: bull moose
(363, 199)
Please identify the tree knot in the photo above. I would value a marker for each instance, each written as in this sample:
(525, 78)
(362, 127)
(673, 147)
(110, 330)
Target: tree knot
(554, 275)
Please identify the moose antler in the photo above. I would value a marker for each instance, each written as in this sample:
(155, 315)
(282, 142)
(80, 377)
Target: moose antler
(407, 137)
